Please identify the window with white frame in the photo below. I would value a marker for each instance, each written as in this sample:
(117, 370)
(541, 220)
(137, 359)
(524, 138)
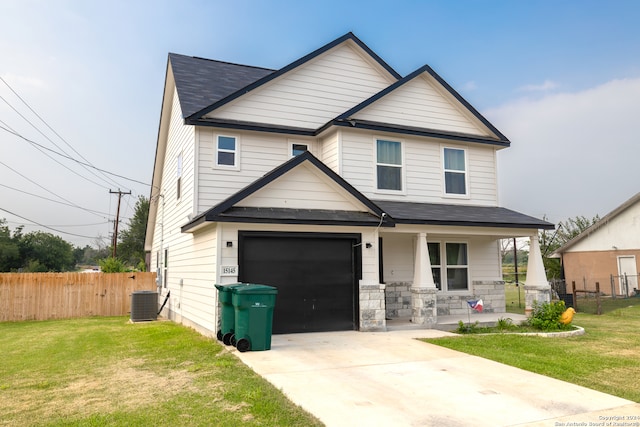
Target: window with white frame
(436, 264)
(455, 171)
(179, 176)
(297, 149)
(457, 266)
(389, 165)
(226, 151)
(452, 265)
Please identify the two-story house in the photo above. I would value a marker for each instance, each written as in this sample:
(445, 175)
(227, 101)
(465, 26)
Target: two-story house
(360, 194)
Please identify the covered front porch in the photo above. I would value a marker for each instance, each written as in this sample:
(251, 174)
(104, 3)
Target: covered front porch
(427, 276)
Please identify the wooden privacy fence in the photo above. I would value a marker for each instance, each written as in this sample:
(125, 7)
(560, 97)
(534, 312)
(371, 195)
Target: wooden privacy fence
(41, 296)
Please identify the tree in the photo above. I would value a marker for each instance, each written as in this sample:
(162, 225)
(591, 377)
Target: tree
(9, 247)
(45, 252)
(131, 241)
(550, 241)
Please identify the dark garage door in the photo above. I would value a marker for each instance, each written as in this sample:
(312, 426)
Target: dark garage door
(315, 275)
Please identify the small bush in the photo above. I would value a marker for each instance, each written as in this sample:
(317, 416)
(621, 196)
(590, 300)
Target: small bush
(546, 316)
(112, 265)
(505, 324)
(471, 328)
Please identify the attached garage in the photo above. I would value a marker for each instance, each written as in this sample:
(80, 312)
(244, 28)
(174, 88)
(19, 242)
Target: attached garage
(316, 275)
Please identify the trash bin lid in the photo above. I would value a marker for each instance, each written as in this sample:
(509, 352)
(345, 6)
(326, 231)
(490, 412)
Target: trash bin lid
(227, 288)
(251, 288)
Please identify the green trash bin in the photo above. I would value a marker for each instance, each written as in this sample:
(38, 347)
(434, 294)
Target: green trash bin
(253, 306)
(227, 313)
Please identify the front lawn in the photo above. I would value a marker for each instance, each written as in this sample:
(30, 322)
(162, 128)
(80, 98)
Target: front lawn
(109, 372)
(605, 358)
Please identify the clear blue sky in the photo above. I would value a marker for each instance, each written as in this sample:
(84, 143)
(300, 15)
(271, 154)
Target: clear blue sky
(560, 78)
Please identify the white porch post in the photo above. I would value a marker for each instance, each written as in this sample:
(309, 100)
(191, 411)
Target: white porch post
(536, 287)
(423, 291)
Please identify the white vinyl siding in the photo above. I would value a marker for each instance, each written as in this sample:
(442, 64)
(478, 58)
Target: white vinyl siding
(419, 103)
(424, 177)
(330, 152)
(303, 188)
(261, 153)
(312, 94)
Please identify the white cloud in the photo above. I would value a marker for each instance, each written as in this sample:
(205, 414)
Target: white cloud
(571, 153)
(544, 87)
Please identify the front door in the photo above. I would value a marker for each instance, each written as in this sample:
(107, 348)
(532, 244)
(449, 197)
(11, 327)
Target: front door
(627, 268)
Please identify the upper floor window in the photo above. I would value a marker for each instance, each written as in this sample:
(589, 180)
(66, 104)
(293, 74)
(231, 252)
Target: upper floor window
(178, 175)
(455, 171)
(227, 151)
(389, 165)
(297, 149)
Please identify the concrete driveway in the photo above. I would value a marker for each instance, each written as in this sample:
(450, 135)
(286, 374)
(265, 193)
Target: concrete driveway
(390, 379)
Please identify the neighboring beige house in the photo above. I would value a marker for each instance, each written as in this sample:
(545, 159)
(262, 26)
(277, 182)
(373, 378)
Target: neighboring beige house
(360, 194)
(607, 252)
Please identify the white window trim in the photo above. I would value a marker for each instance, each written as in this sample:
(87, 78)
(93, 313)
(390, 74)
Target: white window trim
(179, 169)
(292, 143)
(466, 194)
(403, 166)
(444, 286)
(236, 165)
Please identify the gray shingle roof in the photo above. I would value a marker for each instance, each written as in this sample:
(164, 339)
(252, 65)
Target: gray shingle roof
(201, 82)
(459, 215)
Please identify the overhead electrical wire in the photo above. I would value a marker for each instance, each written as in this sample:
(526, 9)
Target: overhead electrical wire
(52, 200)
(44, 226)
(71, 158)
(51, 129)
(45, 189)
(85, 164)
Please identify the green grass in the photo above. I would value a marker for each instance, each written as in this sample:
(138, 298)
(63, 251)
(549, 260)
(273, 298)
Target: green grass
(109, 372)
(606, 358)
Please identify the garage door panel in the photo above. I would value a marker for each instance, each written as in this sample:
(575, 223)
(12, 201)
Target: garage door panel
(314, 276)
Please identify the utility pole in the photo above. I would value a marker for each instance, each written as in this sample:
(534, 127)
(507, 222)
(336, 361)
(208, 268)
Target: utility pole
(115, 232)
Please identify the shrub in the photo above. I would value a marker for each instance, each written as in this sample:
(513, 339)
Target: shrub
(112, 265)
(546, 316)
(505, 324)
(471, 328)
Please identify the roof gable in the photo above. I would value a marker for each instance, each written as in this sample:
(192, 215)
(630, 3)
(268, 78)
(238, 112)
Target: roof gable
(267, 192)
(310, 91)
(423, 100)
(303, 187)
(612, 228)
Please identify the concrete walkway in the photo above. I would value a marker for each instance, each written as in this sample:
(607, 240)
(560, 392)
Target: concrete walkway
(390, 379)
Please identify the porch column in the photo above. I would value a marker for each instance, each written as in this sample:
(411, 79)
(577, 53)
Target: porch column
(423, 291)
(536, 286)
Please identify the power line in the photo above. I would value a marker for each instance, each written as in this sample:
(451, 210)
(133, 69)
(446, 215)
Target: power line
(72, 159)
(48, 191)
(51, 200)
(50, 128)
(47, 227)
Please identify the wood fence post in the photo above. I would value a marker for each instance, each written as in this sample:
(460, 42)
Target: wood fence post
(598, 298)
(575, 296)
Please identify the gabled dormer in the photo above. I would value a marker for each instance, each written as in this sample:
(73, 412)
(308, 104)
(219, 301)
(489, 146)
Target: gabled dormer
(310, 91)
